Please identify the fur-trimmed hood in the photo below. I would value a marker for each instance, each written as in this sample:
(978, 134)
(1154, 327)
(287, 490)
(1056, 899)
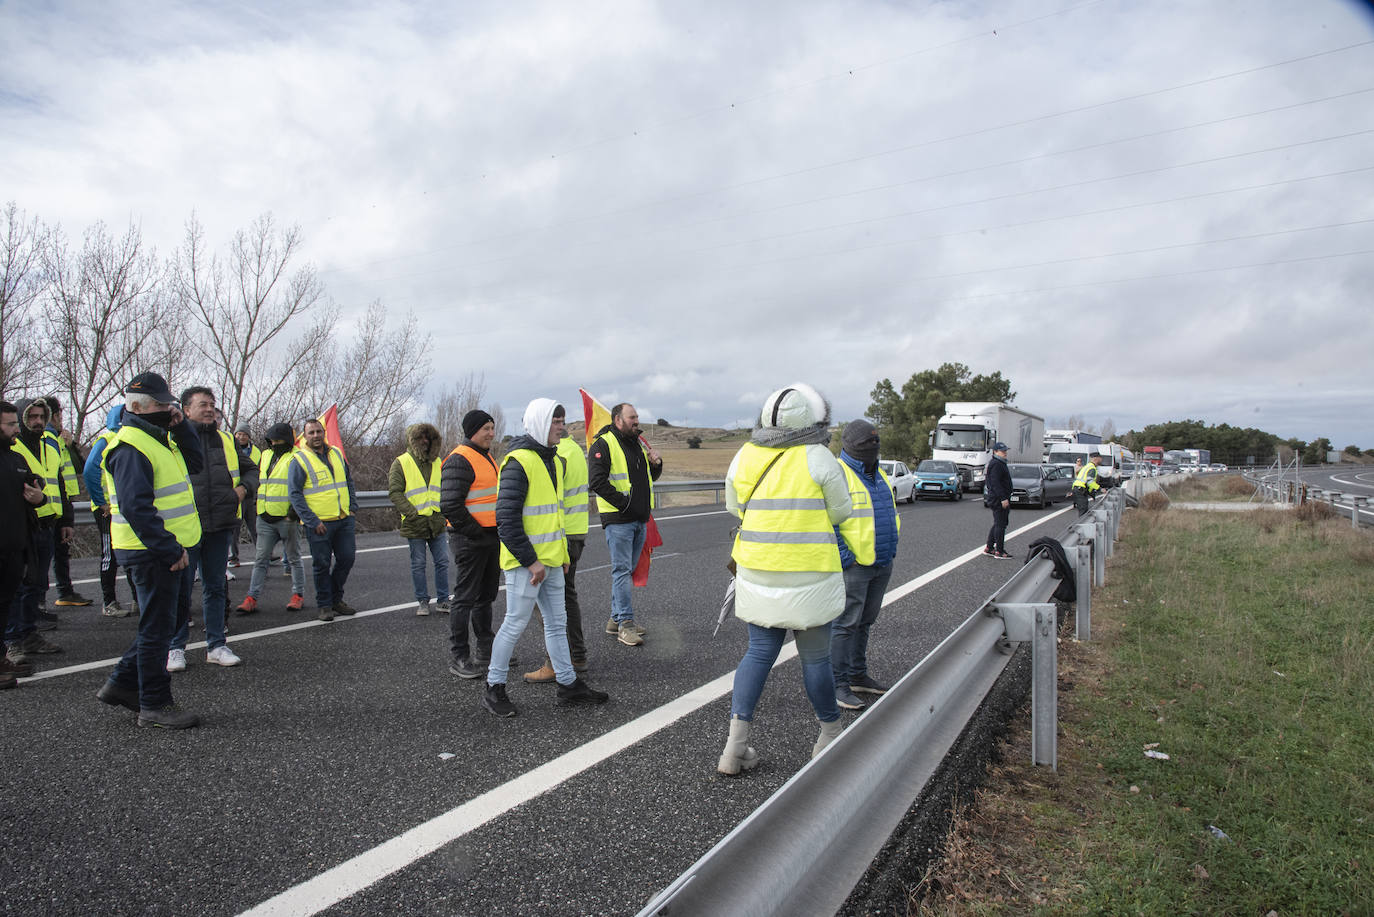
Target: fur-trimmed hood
(424, 442)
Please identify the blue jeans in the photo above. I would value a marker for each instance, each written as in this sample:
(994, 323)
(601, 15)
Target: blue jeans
(143, 667)
(438, 549)
(24, 605)
(332, 554)
(210, 557)
(864, 588)
(626, 542)
(288, 533)
(520, 600)
(813, 646)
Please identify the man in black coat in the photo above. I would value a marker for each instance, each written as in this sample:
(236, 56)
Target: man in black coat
(20, 491)
(997, 497)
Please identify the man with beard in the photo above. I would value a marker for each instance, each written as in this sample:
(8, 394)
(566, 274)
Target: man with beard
(61, 438)
(54, 522)
(20, 491)
(320, 487)
(621, 470)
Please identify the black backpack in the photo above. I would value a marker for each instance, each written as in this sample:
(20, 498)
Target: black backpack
(1067, 590)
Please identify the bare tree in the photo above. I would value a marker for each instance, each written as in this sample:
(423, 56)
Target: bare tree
(242, 304)
(466, 394)
(1107, 430)
(21, 282)
(102, 302)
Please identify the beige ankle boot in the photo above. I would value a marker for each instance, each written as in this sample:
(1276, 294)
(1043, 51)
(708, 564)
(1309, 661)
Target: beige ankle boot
(738, 755)
(829, 732)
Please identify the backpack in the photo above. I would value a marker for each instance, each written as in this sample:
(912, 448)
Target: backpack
(1067, 590)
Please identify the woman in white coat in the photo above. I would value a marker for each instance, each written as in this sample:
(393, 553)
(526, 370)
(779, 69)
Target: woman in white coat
(789, 493)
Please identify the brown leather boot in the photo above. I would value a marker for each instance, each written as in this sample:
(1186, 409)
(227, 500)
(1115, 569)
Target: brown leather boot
(540, 676)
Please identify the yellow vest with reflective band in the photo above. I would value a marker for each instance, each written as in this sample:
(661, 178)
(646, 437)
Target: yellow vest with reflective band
(326, 485)
(422, 494)
(574, 486)
(104, 436)
(784, 523)
(48, 467)
(70, 484)
(481, 500)
(542, 514)
(620, 471)
(859, 531)
(1087, 478)
(273, 498)
(173, 498)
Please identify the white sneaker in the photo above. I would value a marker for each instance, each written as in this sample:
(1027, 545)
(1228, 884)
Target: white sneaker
(176, 660)
(229, 575)
(222, 655)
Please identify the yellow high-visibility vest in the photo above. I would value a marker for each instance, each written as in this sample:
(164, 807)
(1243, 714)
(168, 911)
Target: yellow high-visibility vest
(575, 487)
(1087, 478)
(422, 494)
(273, 498)
(48, 467)
(620, 471)
(860, 531)
(326, 487)
(71, 485)
(785, 525)
(173, 498)
(542, 514)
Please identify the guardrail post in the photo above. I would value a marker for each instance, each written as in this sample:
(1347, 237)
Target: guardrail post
(1099, 554)
(1356, 504)
(1037, 624)
(1083, 586)
(1103, 517)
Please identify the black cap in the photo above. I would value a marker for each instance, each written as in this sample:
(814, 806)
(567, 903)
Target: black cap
(53, 404)
(280, 432)
(152, 385)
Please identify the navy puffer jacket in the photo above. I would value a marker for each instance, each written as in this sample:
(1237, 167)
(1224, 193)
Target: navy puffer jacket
(884, 516)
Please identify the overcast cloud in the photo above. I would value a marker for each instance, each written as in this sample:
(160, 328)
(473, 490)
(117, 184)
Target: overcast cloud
(1142, 211)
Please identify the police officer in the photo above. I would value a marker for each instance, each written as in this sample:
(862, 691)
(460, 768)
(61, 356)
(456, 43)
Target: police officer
(1085, 484)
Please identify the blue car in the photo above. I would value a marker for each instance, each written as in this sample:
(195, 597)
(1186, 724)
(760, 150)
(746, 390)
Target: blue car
(938, 479)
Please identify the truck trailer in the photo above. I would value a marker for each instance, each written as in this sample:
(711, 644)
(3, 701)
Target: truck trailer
(968, 430)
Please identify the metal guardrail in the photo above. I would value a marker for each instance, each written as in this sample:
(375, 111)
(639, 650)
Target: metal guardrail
(804, 849)
(1296, 492)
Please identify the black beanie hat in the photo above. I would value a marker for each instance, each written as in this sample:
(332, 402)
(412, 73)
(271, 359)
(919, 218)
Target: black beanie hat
(475, 420)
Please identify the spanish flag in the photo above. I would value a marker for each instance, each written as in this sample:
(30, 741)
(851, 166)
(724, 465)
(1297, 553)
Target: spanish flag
(330, 420)
(596, 416)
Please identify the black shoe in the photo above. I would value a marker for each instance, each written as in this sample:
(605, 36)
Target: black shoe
(72, 600)
(497, 702)
(866, 685)
(847, 699)
(45, 621)
(467, 668)
(579, 692)
(169, 716)
(1003, 555)
(17, 669)
(112, 694)
(345, 609)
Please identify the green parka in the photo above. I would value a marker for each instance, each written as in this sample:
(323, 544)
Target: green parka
(423, 445)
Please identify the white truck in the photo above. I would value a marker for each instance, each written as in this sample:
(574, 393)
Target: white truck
(968, 430)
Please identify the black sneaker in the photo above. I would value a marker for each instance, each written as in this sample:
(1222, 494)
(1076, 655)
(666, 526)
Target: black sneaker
(112, 694)
(72, 600)
(497, 702)
(847, 699)
(169, 716)
(345, 609)
(866, 685)
(466, 668)
(17, 669)
(579, 692)
(1003, 555)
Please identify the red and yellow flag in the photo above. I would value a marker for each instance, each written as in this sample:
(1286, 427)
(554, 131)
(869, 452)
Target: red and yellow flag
(330, 420)
(596, 415)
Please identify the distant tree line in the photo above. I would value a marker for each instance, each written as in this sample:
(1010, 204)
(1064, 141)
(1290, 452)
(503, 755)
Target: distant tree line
(906, 417)
(1232, 445)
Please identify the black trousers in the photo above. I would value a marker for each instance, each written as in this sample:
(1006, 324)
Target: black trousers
(997, 535)
(1080, 500)
(62, 564)
(11, 578)
(476, 582)
(109, 567)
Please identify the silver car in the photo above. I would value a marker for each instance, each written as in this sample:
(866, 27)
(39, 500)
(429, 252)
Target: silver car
(903, 481)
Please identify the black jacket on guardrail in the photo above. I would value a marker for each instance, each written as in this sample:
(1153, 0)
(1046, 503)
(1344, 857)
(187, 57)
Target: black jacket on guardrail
(1067, 590)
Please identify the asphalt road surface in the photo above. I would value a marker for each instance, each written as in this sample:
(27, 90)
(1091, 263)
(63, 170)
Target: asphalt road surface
(341, 769)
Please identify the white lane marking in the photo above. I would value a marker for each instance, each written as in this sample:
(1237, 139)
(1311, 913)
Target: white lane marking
(352, 876)
(397, 547)
(1353, 483)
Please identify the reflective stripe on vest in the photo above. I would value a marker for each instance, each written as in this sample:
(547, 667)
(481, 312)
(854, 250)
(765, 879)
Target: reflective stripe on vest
(1085, 480)
(48, 471)
(423, 496)
(542, 515)
(273, 482)
(620, 471)
(860, 530)
(173, 498)
(574, 487)
(785, 526)
(481, 501)
(326, 492)
(66, 470)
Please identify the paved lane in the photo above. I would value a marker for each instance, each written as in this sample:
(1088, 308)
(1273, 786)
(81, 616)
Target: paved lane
(334, 739)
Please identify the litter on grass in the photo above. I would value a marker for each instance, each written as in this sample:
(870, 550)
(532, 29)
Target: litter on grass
(1157, 755)
(1218, 833)
(445, 755)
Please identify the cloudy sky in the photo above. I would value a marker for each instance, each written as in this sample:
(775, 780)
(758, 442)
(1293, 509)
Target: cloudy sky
(1138, 210)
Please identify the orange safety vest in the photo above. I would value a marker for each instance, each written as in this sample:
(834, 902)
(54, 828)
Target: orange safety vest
(481, 500)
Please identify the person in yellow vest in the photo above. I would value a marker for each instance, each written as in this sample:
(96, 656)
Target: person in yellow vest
(153, 525)
(576, 525)
(249, 454)
(55, 523)
(534, 554)
(868, 545)
(467, 498)
(621, 471)
(21, 494)
(1085, 485)
(277, 521)
(413, 485)
(61, 438)
(319, 485)
(789, 493)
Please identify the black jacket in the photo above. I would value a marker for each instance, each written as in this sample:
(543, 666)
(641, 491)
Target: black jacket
(635, 507)
(216, 500)
(997, 484)
(17, 517)
(510, 499)
(455, 480)
(34, 443)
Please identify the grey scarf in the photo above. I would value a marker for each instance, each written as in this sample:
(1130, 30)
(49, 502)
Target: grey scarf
(782, 437)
